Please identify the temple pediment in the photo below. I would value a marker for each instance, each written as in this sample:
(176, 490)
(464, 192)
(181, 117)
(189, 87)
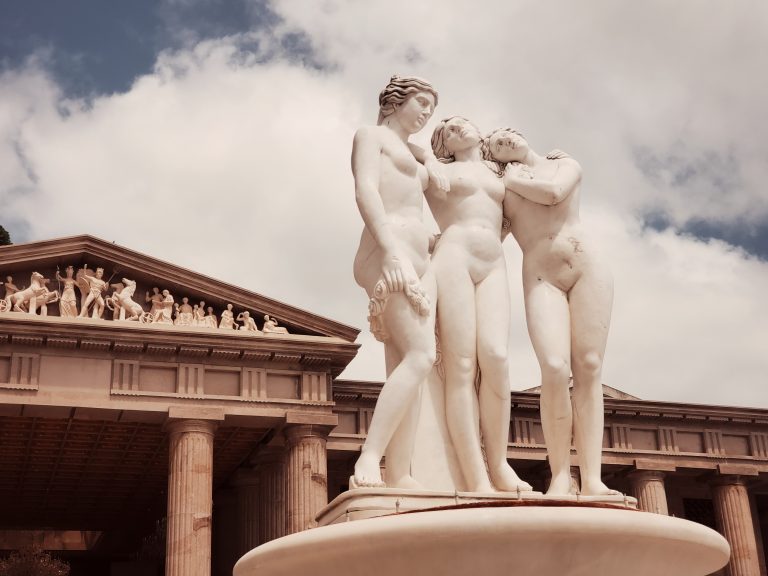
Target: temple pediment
(58, 278)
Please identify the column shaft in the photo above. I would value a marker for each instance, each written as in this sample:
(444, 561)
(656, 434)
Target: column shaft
(734, 521)
(307, 472)
(648, 488)
(272, 496)
(190, 493)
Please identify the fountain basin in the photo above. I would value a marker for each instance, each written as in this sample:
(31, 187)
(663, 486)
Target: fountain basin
(497, 540)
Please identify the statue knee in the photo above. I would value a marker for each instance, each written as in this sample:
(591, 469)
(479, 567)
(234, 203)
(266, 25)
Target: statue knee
(461, 367)
(555, 368)
(588, 366)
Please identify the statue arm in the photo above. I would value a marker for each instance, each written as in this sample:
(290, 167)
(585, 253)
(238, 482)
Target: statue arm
(435, 168)
(397, 271)
(548, 192)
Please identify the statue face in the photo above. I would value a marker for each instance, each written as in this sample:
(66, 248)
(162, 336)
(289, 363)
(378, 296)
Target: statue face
(460, 134)
(415, 111)
(508, 146)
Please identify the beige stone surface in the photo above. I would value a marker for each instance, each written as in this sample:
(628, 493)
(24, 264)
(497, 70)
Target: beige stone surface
(734, 521)
(365, 503)
(306, 474)
(524, 541)
(648, 488)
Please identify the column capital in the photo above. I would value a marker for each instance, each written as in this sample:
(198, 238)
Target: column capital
(727, 480)
(294, 433)
(646, 475)
(182, 426)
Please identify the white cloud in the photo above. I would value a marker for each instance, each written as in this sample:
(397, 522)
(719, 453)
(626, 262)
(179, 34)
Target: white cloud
(232, 161)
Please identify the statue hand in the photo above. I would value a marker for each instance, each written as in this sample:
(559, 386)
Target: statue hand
(397, 272)
(437, 175)
(557, 154)
(518, 170)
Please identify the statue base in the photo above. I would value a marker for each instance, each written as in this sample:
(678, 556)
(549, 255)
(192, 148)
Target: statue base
(362, 503)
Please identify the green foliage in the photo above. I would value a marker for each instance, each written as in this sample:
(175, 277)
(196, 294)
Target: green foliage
(5, 238)
(32, 562)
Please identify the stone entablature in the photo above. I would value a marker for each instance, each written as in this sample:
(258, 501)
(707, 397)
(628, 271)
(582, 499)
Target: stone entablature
(141, 367)
(729, 440)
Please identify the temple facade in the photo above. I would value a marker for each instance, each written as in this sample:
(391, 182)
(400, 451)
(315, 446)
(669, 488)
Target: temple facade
(157, 421)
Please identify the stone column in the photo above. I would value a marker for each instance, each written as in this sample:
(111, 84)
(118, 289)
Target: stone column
(734, 521)
(190, 496)
(648, 488)
(307, 474)
(272, 495)
(246, 483)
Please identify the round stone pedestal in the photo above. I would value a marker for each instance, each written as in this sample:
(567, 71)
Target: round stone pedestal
(495, 541)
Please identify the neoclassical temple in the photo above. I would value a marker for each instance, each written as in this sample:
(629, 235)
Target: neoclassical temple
(191, 420)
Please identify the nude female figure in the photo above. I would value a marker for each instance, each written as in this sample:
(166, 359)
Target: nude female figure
(392, 265)
(568, 296)
(473, 306)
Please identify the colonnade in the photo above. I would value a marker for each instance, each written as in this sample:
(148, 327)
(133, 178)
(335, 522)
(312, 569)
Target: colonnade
(732, 513)
(279, 496)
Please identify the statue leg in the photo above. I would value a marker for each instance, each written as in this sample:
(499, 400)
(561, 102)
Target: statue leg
(492, 305)
(413, 338)
(547, 316)
(590, 301)
(458, 344)
(86, 303)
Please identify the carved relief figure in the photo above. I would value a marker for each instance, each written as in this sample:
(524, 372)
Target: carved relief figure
(198, 314)
(184, 313)
(210, 319)
(392, 265)
(68, 300)
(28, 299)
(156, 299)
(123, 304)
(249, 324)
(163, 313)
(568, 296)
(227, 319)
(270, 326)
(10, 290)
(95, 285)
(473, 311)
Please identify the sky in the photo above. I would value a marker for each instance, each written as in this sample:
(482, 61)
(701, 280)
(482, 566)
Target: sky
(217, 135)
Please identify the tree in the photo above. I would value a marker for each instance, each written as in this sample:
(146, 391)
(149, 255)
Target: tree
(5, 238)
(32, 562)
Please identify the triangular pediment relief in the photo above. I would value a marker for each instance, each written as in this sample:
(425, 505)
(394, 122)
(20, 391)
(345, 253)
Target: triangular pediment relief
(137, 288)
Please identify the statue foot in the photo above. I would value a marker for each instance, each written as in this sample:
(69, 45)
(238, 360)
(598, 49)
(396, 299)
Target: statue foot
(598, 489)
(407, 482)
(505, 479)
(560, 485)
(367, 473)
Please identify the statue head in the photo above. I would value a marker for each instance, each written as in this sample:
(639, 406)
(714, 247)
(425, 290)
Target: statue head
(69, 270)
(399, 90)
(99, 272)
(454, 134)
(505, 145)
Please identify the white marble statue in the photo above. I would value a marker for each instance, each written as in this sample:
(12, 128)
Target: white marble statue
(568, 295)
(271, 327)
(249, 324)
(210, 319)
(228, 319)
(198, 314)
(37, 295)
(184, 313)
(163, 312)
(10, 290)
(122, 303)
(392, 265)
(68, 300)
(92, 286)
(156, 301)
(473, 310)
